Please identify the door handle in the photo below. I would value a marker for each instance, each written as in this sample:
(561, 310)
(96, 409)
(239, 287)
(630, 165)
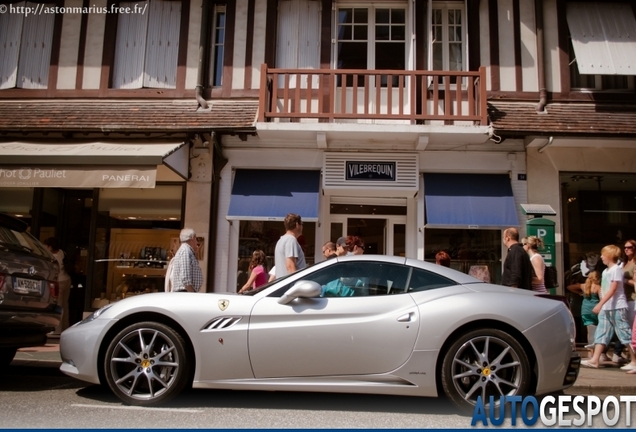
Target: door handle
(406, 317)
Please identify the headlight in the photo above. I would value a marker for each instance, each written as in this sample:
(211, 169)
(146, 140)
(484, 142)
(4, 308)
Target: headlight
(95, 314)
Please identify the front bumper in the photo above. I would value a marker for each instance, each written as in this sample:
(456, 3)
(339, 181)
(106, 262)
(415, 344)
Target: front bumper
(79, 349)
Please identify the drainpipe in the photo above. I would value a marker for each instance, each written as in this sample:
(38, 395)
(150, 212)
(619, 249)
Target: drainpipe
(218, 162)
(546, 145)
(543, 94)
(203, 45)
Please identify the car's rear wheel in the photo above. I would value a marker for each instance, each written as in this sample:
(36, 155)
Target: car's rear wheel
(6, 355)
(146, 364)
(484, 363)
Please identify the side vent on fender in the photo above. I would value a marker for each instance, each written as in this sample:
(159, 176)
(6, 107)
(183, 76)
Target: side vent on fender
(222, 323)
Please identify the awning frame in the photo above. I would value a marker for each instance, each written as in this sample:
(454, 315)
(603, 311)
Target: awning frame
(244, 177)
(494, 190)
(174, 154)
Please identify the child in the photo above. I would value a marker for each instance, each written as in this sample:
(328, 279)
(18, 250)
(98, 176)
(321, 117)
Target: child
(611, 309)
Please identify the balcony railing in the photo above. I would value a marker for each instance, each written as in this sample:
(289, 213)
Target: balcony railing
(415, 97)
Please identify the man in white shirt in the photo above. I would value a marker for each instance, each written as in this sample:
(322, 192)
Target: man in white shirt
(288, 255)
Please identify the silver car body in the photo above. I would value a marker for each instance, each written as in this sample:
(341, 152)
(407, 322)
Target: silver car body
(388, 344)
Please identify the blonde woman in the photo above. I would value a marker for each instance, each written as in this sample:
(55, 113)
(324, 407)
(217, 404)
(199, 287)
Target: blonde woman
(531, 245)
(590, 291)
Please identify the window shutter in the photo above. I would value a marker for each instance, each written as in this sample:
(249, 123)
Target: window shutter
(35, 50)
(287, 46)
(309, 39)
(130, 48)
(162, 47)
(10, 31)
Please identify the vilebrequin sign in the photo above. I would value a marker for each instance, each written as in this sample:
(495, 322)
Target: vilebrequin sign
(78, 176)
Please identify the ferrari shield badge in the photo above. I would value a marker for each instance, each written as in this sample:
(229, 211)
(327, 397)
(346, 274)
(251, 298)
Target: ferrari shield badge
(223, 304)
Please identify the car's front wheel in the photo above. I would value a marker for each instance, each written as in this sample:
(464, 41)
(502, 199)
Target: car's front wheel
(146, 364)
(484, 363)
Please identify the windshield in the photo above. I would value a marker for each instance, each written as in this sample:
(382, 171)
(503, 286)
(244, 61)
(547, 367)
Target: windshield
(22, 241)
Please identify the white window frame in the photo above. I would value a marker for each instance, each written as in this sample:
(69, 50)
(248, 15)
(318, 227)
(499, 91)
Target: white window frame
(147, 73)
(371, 8)
(214, 44)
(24, 37)
(444, 7)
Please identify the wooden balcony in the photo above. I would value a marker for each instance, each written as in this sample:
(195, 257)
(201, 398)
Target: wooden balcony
(411, 97)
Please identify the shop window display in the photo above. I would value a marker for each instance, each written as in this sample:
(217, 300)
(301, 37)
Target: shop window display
(137, 235)
(264, 235)
(472, 251)
(17, 202)
(597, 209)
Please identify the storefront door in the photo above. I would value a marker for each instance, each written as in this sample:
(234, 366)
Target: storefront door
(381, 234)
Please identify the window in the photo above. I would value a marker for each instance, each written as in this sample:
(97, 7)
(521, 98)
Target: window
(137, 233)
(371, 38)
(263, 235)
(601, 46)
(356, 279)
(580, 81)
(25, 46)
(422, 280)
(147, 45)
(217, 47)
(447, 36)
(476, 252)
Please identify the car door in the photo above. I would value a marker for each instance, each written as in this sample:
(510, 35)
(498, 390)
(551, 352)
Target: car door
(368, 331)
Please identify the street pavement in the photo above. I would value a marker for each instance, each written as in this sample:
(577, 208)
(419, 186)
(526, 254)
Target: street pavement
(609, 379)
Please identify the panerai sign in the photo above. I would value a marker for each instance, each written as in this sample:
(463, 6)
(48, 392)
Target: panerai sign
(71, 176)
(370, 170)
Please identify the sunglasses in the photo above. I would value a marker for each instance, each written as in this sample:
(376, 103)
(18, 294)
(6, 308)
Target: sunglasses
(628, 247)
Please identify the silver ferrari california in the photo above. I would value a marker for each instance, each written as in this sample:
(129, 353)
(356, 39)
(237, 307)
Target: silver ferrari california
(359, 324)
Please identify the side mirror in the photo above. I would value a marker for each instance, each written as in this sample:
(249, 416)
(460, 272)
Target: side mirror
(303, 289)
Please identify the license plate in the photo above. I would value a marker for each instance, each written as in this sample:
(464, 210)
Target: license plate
(27, 286)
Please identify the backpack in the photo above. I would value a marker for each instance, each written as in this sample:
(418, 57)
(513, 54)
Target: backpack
(550, 277)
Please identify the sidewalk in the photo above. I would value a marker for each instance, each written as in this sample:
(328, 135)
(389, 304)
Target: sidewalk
(609, 379)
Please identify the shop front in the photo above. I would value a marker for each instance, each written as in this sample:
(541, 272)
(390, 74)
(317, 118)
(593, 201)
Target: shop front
(592, 184)
(399, 203)
(117, 209)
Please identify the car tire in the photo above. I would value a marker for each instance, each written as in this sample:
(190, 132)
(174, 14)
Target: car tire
(7, 355)
(484, 362)
(146, 364)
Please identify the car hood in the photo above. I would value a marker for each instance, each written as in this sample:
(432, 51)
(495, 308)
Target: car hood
(179, 304)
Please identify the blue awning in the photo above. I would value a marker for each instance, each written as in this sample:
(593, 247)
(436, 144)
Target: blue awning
(469, 201)
(272, 194)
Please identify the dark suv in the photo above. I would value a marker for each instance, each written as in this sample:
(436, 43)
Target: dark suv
(28, 289)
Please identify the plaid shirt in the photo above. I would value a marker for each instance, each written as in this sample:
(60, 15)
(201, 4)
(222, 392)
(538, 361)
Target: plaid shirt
(186, 270)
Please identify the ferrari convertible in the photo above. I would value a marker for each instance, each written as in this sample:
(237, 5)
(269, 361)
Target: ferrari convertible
(358, 324)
